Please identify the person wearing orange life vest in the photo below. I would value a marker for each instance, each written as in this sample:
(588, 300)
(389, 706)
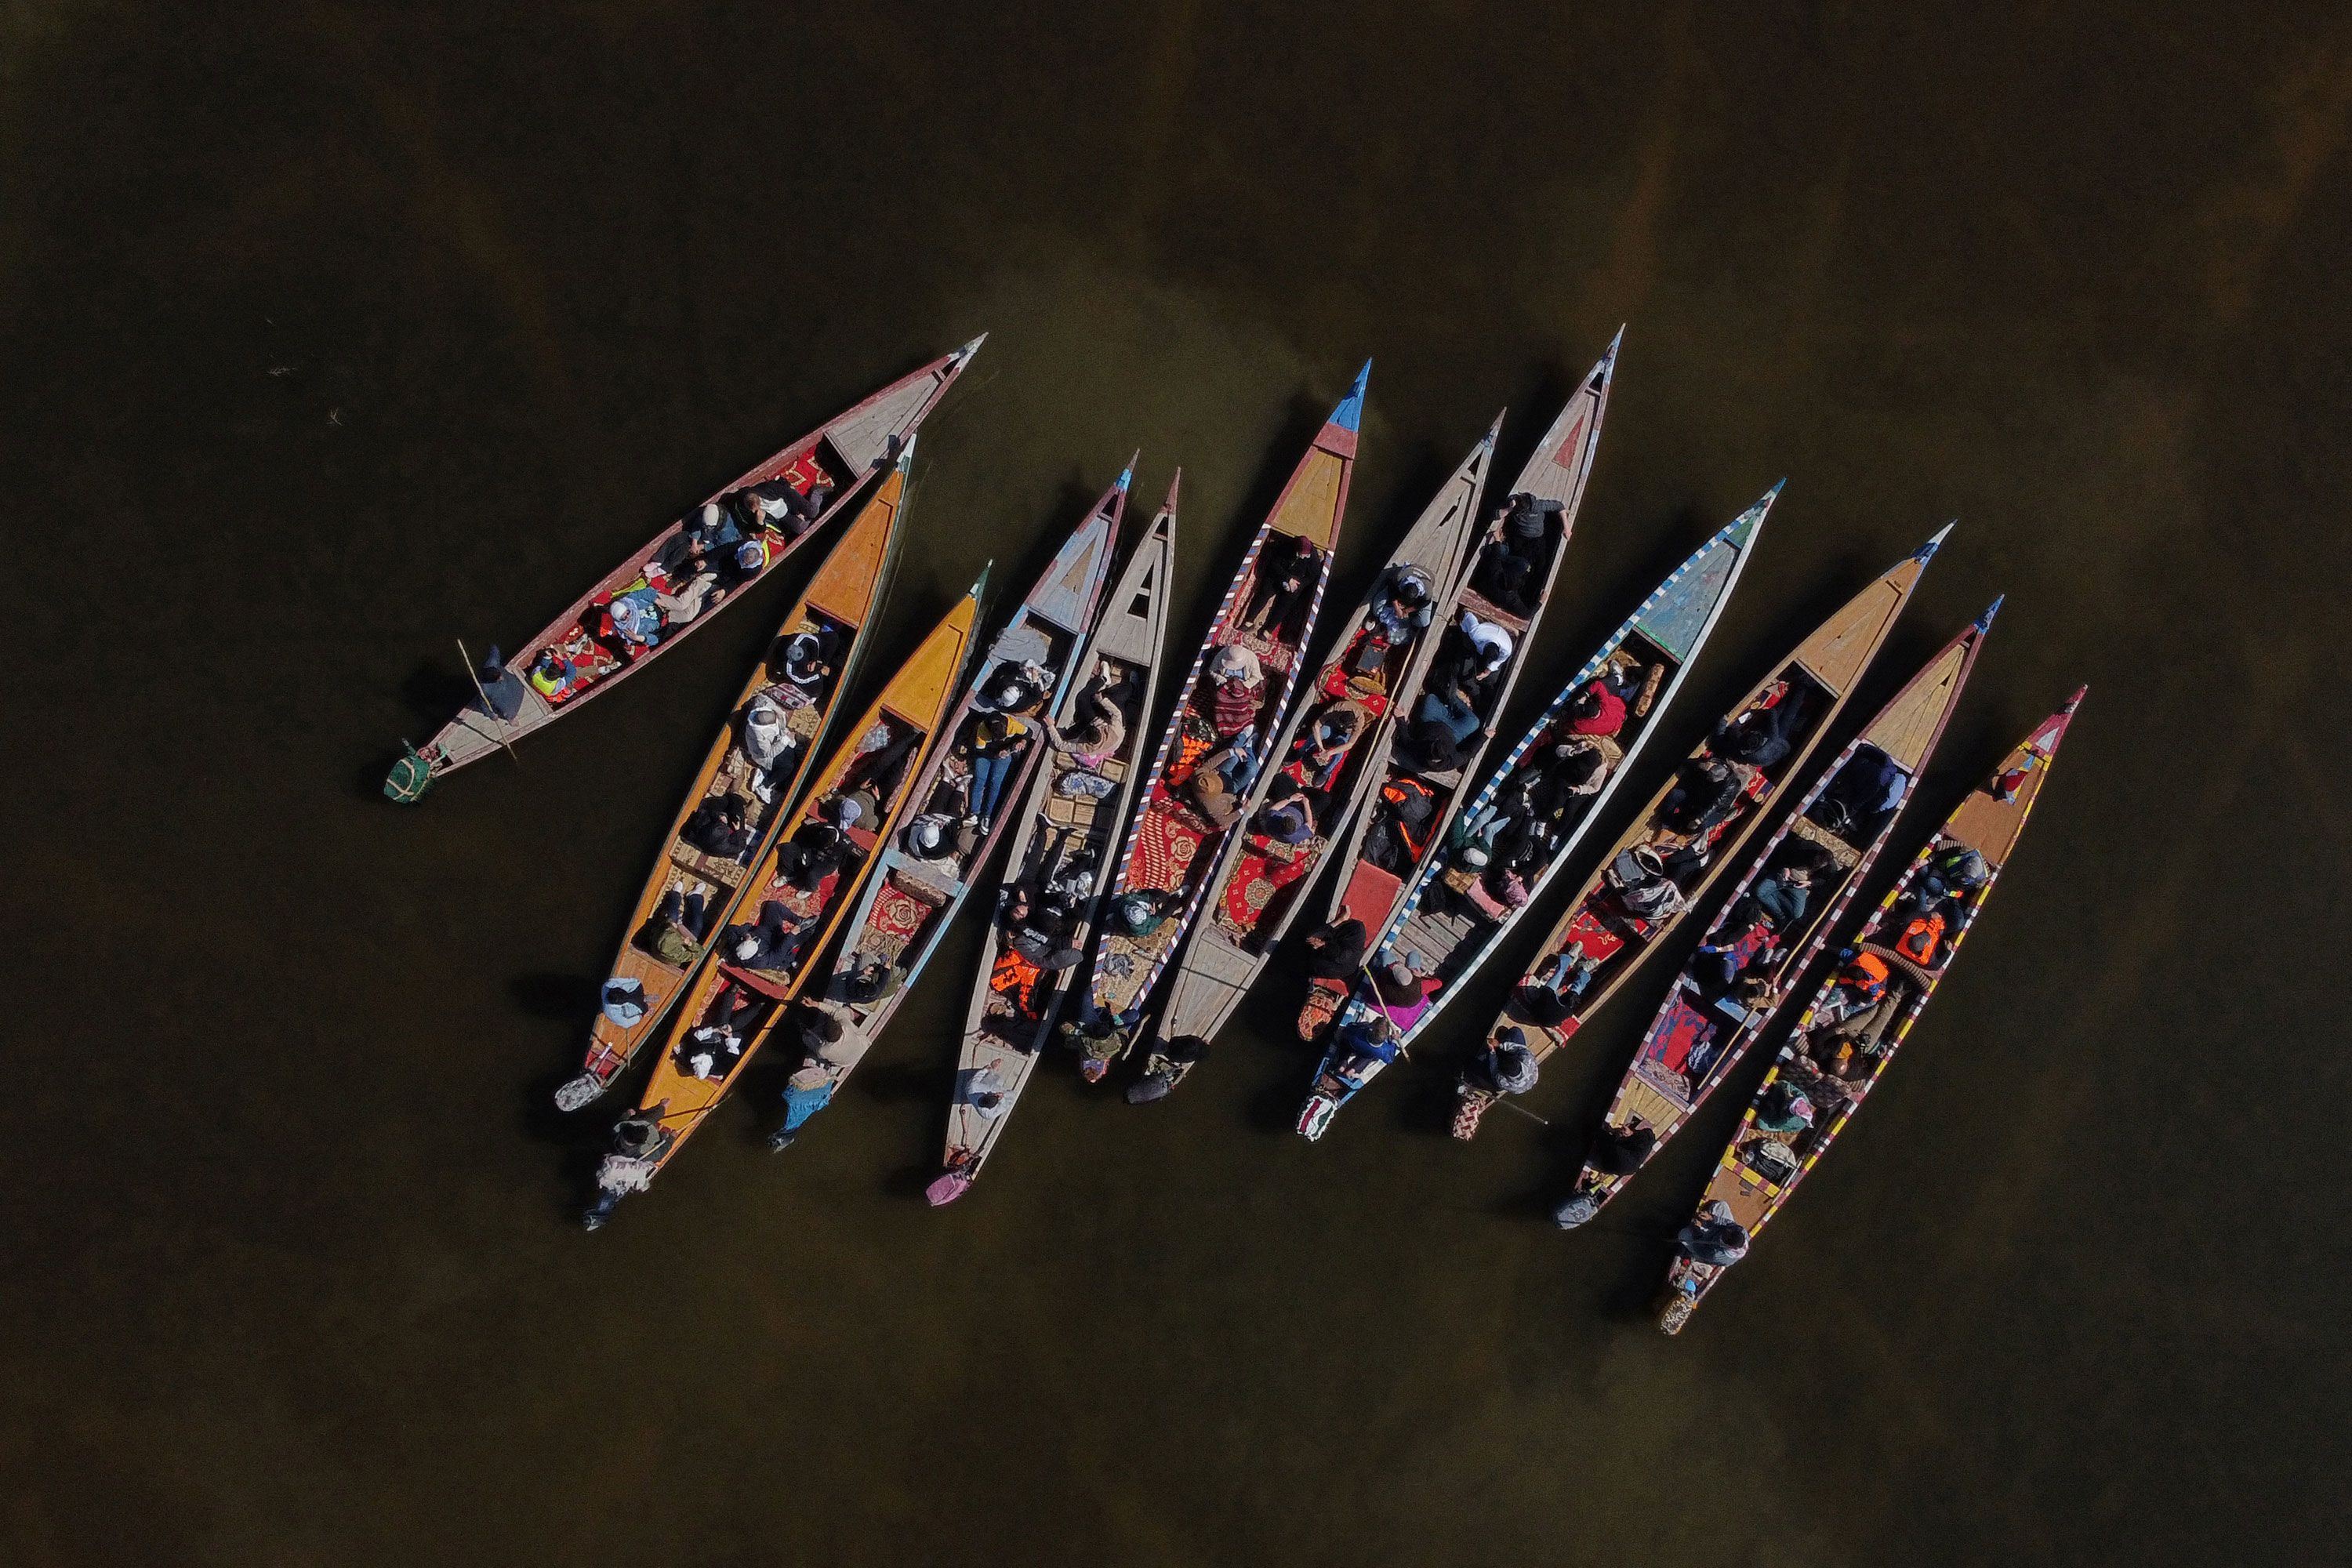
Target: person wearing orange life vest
(1400, 830)
(1861, 984)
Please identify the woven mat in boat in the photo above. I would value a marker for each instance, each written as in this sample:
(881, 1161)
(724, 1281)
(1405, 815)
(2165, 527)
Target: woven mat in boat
(902, 906)
(1324, 999)
(1666, 1053)
(1257, 877)
(709, 867)
(1813, 832)
(1167, 842)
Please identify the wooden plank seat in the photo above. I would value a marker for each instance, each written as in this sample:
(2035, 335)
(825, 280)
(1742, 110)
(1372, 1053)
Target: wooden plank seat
(1813, 832)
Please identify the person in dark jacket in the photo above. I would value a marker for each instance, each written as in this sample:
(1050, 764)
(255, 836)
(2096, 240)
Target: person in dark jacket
(1336, 951)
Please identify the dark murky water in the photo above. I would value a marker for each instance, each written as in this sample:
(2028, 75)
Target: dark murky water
(331, 337)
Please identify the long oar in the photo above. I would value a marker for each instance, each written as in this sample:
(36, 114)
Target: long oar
(492, 712)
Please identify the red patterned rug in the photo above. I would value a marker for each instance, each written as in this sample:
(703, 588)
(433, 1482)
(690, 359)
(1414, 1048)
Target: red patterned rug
(1166, 845)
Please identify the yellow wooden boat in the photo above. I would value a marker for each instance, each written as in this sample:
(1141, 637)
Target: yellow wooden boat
(1680, 842)
(803, 888)
(747, 784)
(1838, 1052)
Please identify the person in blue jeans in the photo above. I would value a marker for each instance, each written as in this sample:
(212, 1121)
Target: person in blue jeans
(997, 744)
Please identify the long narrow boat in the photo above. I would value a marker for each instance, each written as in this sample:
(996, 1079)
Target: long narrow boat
(1841, 1044)
(1068, 821)
(962, 804)
(1680, 843)
(1320, 773)
(1232, 700)
(1773, 925)
(747, 784)
(803, 885)
(683, 577)
(1519, 543)
(1451, 918)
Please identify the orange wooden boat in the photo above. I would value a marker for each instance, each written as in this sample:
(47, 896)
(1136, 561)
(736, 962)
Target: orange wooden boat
(748, 781)
(802, 889)
(1679, 844)
(648, 605)
(1841, 1048)
(1772, 925)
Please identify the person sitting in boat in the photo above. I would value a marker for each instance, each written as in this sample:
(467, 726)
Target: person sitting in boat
(1071, 887)
(1336, 951)
(1861, 984)
(712, 1048)
(501, 689)
(1401, 994)
(1401, 820)
(1764, 735)
(770, 943)
(1013, 689)
(1463, 677)
(1715, 1239)
(1361, 1048)
(1511, 569)
(675, 932)
(994, 747)
(1622, 1151)
(769, 744)
(1505, 1066)
(1596, 711)
(1284, 585)
(554, 676)
(1143, 913)
(1551, 997)
(1863, 796)
(879, 766)
(1706, 794)
(701, 592)
(1220, 785)
(1099, 725)
(806, 666)
(1316, 756)
(1429, 744)
(1238, 691)
(869, 978)
(930, 838)
(742, 562)
(1499, 890)
(1639, 881)
(1403, 603)
(719, 826)
(623, 1001)
(780, 505)
(1935, 899)
(1785, 1111)
(1288, 819)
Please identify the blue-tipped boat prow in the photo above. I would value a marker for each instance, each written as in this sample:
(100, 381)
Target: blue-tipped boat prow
(1984, 621)
(1927, 550)
(1351, 411)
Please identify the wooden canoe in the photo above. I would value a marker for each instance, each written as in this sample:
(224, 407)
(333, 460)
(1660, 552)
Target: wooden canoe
(1171, 845)
(1834, 1065)
(910, 899)
(874, 765)
(1068, 829)
(1598, 933)
(840, 454)
(1555, 473)
(1710, 1019)
(658, 954)
(1259, 882)
(1437, 927)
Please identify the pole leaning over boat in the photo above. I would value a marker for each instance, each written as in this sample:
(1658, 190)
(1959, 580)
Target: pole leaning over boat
(1772, 925)
(683, 577)
(1677, 847)
(746, 786)
(802, 889)
(1233, 699)
(1069, 822)
(1844, 1040)
(1486, 870)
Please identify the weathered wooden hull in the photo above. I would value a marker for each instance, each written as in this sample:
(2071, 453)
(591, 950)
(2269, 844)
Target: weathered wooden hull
(909, 902)
(1699, 1036)
(1012, 1014)
(676, 1100)
(1171, 848)
(1760, 1171)
(845, 452)
(1821, 671)
(1429, 927)
(1557, 470)
(840, 598)
(1258, 886)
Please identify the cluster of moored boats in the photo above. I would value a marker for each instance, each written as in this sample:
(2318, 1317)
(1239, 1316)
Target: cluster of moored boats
(1146, 879)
